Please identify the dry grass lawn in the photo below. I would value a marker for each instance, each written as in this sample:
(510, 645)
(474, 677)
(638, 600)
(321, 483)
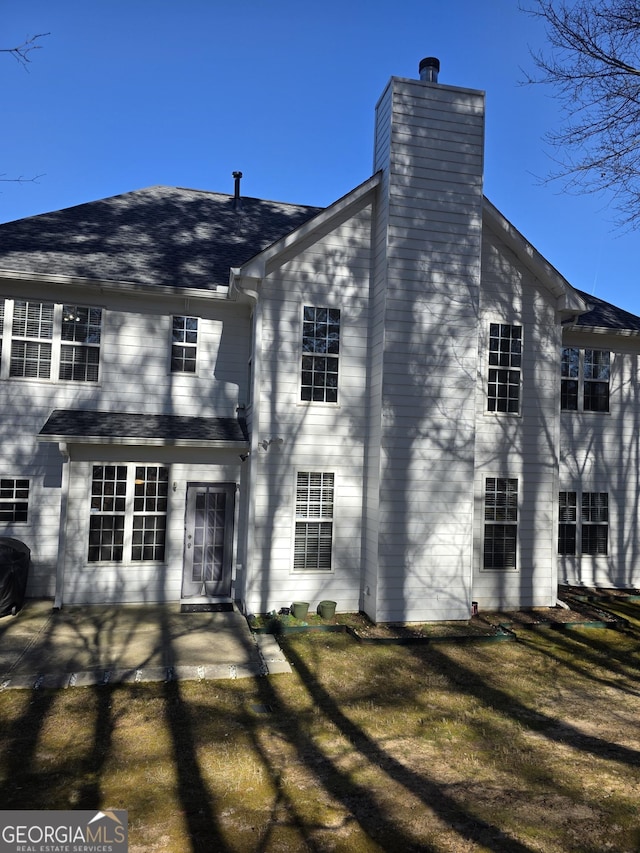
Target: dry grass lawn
(517, 747)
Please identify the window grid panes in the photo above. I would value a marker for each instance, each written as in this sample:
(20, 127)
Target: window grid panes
(184, 340)
(151, 488)
(80, 359)
(505, 363)
(314, 521)
(108, 504)
(500, 537)
(585, 378)
(14, 501)
(128, 513)
(320, 354)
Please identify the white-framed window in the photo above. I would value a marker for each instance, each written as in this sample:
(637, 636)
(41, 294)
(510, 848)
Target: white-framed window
(184, 344)
(53, 341)
(586, 374)
(320, 354)
(505, 368)
(128, 513)
(314, 522)
(500, 523)
(589, 528)
(80, 343)
(14, 500)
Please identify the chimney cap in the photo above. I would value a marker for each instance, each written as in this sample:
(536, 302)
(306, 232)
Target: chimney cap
(429, 68)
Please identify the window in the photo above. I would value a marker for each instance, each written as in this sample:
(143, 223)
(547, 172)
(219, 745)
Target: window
(31, 342)
(149, 512)
(568, 518)
(184, 340)
(320, 351)
(593, 521)
(585, 380)
(128, 512)
(505, 362)
(501, 528)
(49, 340)
(80, 352)
(314, 522)
(14, 501)
(108, 505)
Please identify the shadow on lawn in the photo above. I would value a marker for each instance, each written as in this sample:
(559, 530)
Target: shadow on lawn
(382, 828)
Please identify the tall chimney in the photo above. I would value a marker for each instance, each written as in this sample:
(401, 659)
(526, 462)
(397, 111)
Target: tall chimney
(429, 69)
(237, 201)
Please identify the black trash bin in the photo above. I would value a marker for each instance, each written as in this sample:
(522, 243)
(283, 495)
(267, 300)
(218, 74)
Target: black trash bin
(14, 568)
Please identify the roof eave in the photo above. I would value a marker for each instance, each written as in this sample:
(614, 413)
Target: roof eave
(112, 285)
(568, 300)
(143, 442)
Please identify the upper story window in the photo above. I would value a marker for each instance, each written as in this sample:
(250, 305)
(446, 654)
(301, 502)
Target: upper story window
(184, 344)
(505, 365)
(585, 380)
(320, 352)
(50, 340)
(80, 347)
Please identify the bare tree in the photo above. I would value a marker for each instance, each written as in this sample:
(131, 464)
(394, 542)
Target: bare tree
(22, 53)
(593, 64)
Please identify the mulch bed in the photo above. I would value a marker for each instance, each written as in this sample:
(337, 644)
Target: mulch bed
(582, 610)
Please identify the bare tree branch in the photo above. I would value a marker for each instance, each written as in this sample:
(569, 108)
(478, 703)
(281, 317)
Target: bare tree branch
(21, 179)
(22, 53)
(593, 64)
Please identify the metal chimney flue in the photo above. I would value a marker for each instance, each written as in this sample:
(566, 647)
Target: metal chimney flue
(237, 201)
(429, 69)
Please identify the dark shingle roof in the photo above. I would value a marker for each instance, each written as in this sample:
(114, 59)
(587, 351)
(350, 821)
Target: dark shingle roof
(156, 236)
(159, 428)
(603, 315)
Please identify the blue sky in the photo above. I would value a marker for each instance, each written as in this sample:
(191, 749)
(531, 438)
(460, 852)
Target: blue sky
(126, 94)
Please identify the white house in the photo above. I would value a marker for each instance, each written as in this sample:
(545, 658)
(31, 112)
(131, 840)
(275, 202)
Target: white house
(394, 402)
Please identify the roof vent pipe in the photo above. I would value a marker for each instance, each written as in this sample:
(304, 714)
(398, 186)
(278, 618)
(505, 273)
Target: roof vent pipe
(429, 69)
(237, 203)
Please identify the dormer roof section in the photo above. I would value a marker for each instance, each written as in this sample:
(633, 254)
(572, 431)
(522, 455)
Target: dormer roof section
(247, 277)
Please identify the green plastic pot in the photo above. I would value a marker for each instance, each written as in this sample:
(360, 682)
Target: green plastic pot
(327, 609)
(299, 609)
